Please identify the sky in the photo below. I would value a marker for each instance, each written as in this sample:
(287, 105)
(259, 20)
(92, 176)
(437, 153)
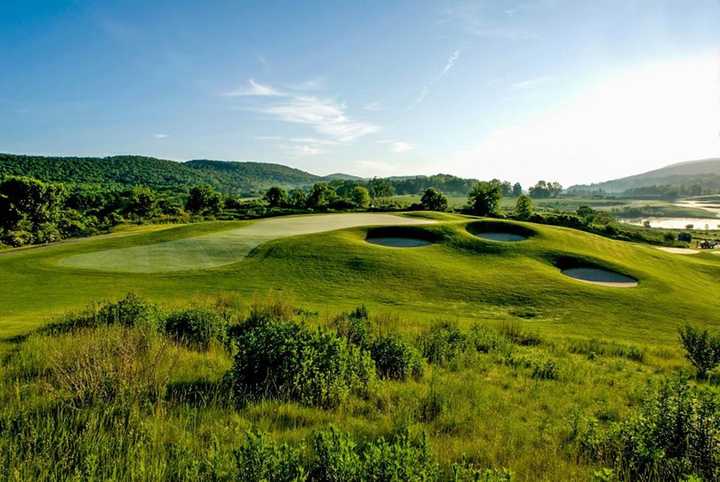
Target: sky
(568, 90)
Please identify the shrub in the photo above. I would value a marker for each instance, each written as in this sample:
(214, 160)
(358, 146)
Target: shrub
(673, 436)
(196, 327)
(545, 370)
(395, 359)
(288, 361)
(260, 459)
(336, 456)
(442, 343)
(594, 347)
(402, 458)
(701, 348)
(487, 340)
(129, 311)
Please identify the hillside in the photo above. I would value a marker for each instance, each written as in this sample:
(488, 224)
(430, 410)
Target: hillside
(230, 177)
(690, 177)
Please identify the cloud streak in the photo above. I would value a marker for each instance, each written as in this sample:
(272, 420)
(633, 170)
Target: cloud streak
(255, 89)
(428, 87)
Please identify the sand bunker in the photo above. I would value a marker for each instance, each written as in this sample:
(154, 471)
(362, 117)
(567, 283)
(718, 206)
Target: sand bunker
(498, 236)
(678, 250)
(398, 242)
(601, 277)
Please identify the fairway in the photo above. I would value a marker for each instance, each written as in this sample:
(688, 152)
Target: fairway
(224, 247)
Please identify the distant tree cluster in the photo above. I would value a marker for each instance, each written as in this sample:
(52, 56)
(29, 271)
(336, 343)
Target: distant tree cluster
(544, 190)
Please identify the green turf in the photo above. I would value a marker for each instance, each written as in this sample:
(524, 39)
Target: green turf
(460, 277)
(222, 247)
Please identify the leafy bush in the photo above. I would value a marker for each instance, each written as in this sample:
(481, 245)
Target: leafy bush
(545, 370)
(487, 340)
(442, 343)
(701, 348)
(286, 360)
(196, 326)
(260, 459)
(673, 436)
(402, 458)
(336, 456)
(129, 311)
(395, 359)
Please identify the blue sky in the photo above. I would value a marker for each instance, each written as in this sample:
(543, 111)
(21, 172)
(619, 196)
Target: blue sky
(570, 90)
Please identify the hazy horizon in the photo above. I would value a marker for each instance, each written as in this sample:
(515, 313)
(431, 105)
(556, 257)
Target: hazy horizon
(526, 90)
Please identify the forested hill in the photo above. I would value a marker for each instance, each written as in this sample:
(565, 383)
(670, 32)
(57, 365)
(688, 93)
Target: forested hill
(236, 178)
(683, 178)
(228, 177)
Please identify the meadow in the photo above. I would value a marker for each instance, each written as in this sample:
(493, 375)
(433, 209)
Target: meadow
(541, 354)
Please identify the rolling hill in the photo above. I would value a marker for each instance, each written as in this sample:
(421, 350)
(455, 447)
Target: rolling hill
(704, 173)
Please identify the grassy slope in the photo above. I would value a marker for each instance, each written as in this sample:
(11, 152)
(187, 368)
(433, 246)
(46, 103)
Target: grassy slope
(460, 277)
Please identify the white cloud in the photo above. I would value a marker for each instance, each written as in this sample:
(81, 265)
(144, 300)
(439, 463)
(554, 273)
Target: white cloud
(427, 87)
(477, 20)
(160, 136)
(308, 150)
(255, 89)
(325, 116)
(373, 106)
(632, 121)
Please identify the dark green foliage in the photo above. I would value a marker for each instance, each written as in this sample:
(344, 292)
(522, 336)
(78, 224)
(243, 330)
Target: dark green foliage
(203, 199)
(485, 198)
(517, 190)
(336, 457)
(402, 458)
(442, 343)
(276, 197)
(487, 340)
(260, 459)
(321, 195)
(685, 237)
(196, 326)
(380, 188)
(545, 370)
(29, 211)
(286, 360)
(434, 200)
(519, 335)
(673, 436)
(354, 328)
(701, 348)
(395, 359)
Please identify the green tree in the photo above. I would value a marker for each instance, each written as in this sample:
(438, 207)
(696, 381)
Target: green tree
(517, 190)
(434, 200)
(702, 349)
(29, 201)
(524, 207)
(276, 197)
(204, 199)
(380, 188)
(320, 196)
(297, 198)
(485, 198)
(142, 202)
(361, 197)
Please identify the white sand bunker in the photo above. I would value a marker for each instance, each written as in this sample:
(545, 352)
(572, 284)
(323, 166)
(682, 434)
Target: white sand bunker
(498, 236)
(678, 250)
(398, 242)
(601, 277)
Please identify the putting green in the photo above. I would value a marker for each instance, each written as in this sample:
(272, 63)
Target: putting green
(224, 247)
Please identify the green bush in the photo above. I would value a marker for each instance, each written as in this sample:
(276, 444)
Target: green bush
(260, 459)
(353, 327)
(701, 348)
(487, 340)
(673, 436)
(129, 311)
(286, 360)
(336, 456)
(545, 370)
(519, 335)
(442, 343)
(593, 348)
(395, 359)
(197, 327)
(402, 458)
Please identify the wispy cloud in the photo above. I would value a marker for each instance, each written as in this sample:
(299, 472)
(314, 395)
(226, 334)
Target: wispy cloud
(255, 89)
(428, 87)
(314, 84)
(479, 20)
(530, 83)
(326, 116)
(160, 136)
